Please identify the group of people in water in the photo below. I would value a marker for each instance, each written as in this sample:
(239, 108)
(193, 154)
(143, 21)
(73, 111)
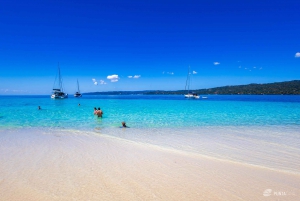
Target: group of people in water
(99, 113)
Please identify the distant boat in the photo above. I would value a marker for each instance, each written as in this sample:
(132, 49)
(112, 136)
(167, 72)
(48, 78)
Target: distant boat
(187, 87)
(58, 92)
(77, 94)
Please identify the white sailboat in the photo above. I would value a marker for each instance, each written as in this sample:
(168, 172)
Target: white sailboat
(77, 94)
(187, 87)
(58, 92)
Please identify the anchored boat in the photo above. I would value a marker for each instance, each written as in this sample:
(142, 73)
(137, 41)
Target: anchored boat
(58, 92)
(187, 87)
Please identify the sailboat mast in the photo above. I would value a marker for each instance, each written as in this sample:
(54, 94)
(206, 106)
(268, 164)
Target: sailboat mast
(189, 77)
(187, 80)
(78, 86)
(59, 79)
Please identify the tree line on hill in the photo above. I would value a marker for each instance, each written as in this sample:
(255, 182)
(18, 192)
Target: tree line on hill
(285, 88)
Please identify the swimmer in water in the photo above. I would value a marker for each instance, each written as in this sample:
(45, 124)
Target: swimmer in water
(124, 124)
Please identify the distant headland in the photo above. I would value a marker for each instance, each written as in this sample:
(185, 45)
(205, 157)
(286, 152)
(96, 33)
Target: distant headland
(276, 88)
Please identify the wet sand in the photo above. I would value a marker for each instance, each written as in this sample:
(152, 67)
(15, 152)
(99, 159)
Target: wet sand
(68, 165)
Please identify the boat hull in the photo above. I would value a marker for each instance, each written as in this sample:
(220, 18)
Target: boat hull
(54, 96)
(77, 95)
(191, 96)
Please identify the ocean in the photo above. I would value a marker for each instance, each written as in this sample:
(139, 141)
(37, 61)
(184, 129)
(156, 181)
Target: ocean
(146, 111)
(257, 130)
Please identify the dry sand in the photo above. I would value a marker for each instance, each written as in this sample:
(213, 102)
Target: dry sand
(69, 165)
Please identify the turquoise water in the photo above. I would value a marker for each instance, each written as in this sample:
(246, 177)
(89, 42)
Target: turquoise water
(149, 111)
(263, 131)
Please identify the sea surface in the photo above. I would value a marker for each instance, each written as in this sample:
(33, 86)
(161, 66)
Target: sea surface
(263, 131)
(146, 111)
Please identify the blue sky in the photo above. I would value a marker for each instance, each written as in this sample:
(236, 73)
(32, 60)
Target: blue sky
(225, 42)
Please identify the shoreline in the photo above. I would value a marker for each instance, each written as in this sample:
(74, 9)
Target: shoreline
(269, 147)
(64, 165)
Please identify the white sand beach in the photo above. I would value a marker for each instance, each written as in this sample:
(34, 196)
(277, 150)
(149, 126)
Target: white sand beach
(68, 165)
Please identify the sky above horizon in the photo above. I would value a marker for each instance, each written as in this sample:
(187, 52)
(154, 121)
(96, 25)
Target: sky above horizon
(146, 45)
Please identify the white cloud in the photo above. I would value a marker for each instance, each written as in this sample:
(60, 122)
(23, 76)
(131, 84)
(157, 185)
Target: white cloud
(113, 78)
(254, 67)
(14, 91)
(297, 55)
(194, 72)
(102, 82)
(136, 76)
(95, 82)
(216, 63)
(4, 90)
(170, 73)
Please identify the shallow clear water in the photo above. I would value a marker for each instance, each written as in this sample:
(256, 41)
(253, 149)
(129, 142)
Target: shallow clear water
(149, 111)
(263, 131)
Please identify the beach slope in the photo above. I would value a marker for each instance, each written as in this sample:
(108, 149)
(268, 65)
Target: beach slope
(69, 165)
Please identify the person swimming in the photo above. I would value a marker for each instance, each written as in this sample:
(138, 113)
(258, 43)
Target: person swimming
(39, 107)
(124, 124)
(95, 111)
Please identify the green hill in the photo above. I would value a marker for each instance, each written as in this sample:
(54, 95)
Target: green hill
(286, 88)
